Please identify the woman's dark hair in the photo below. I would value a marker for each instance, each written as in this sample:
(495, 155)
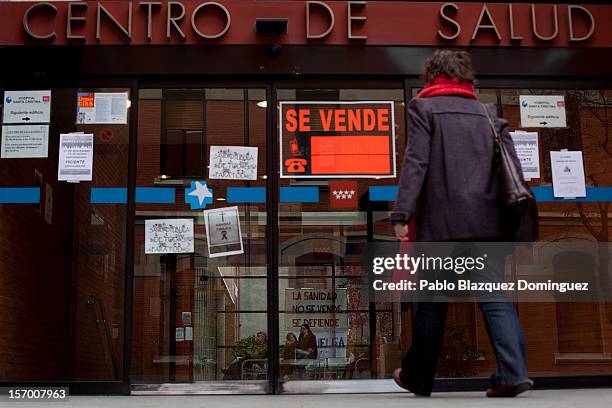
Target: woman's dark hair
(453, 64)
(307, 327)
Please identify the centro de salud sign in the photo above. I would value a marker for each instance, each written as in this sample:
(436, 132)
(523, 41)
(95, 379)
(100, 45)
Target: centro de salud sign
(309, 22)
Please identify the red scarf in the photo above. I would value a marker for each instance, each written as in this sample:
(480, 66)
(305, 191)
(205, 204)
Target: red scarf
(443, 85)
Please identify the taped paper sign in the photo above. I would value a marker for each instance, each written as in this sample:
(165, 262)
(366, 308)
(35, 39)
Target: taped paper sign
(223, 232)
(169, 236)
(25, 141)
(233, 163)
(568, 174)
(102, 108)
(75, 157)
(189, 333)
(179, 334)
(526, 146)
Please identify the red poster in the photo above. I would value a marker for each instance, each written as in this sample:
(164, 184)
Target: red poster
(337, 139)
(343, 194)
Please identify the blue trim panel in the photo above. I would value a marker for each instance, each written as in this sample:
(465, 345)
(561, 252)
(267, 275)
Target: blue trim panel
(246, 194)
(594, 195)
(20, 195)
(144, 195)
(155, 195)
(299, 194)
(383, 193)
(542, 194)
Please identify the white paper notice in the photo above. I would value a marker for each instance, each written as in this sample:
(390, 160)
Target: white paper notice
(568, 174)
(75, 157)
(27, 107)
(25, 141)
(543, 111)
(179, 334)
(526, 146)
(102, 108)
(233, 163)
(49, 204)
(188, 333)
(223, 232)
(169, 236)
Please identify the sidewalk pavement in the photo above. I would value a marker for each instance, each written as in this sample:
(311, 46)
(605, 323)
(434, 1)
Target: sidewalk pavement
(585, 398)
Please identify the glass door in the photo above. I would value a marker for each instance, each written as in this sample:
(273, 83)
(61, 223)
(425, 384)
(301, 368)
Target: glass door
(340, 146)
(200, 295)
(62, 257)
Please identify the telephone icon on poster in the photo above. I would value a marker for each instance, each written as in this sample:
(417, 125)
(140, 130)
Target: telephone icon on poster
(295, 165)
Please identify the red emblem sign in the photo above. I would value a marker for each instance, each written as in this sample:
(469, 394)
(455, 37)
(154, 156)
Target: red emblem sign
(343, 194)
(106, 134)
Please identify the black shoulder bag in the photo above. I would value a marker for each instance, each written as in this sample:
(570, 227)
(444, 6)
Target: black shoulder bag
(515, 194)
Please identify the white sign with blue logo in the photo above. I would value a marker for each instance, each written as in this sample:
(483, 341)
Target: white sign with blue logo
(27, 107)
(198, 195)
(542, 111)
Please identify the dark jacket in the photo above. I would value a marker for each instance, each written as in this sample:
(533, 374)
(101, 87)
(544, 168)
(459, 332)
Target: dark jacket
(448, 180)
(308, 342)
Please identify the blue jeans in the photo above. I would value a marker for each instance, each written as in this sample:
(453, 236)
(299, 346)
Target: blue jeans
(505, 333)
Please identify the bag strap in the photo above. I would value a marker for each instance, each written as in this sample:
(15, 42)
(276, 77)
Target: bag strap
(497, 142)
(496, 135)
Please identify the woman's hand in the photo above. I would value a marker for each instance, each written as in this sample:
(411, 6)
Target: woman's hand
(401, 231)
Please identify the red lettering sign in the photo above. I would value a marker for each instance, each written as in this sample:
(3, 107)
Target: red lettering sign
(337, 139)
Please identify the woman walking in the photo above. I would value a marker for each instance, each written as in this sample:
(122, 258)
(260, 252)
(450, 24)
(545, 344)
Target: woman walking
(449, 187)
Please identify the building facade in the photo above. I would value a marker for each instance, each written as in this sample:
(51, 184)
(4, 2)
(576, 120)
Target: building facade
(90, 299)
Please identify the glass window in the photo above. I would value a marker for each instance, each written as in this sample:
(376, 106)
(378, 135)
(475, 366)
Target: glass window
(62, 255)
(562, 338)
(321, 280)
(197, 317)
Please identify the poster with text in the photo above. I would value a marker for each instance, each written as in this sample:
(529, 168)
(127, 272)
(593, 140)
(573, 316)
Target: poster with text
(223, 232)
(319, 308)
(542, 111)
(25, 141)
(27, 107)
(233, 163)
(189, 333)
(75, 157)
(337, 139)
(528, 152)
(325, 312)
(102, 108)
(179, 334)
(568, 174)
(169, 236)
